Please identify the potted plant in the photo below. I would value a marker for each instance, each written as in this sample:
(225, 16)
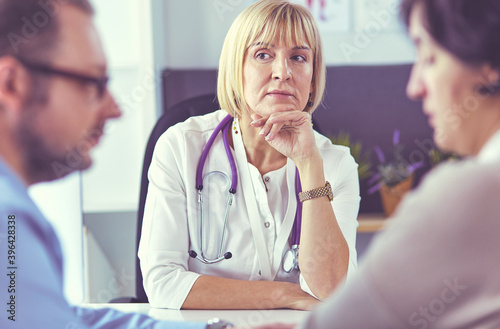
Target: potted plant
(437, 156)
(394, 176)
(361, 158)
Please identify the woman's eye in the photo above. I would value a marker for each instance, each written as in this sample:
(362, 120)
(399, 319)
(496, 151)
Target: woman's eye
(299, 58)
(262, 56)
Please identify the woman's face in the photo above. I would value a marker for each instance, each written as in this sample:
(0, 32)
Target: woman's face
(448, 90)
(277, 78)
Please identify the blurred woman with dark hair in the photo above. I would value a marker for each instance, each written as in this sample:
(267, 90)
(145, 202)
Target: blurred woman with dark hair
(437, 265)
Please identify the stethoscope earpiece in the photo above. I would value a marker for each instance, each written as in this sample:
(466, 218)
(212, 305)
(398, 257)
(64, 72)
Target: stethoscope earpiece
(228, 255)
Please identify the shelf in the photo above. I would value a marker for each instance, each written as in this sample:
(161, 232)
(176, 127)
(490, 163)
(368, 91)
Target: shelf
(371, 223)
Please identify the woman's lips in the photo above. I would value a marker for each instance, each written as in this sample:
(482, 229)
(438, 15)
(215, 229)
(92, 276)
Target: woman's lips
(280, 94)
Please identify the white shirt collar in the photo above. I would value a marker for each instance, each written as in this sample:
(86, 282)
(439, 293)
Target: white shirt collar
(491, 150)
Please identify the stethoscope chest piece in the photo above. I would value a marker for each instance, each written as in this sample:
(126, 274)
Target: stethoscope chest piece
(291, 259)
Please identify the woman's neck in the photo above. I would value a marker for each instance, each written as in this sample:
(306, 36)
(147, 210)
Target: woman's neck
(259, 153)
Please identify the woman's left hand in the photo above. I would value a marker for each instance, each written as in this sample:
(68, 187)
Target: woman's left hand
(290, 133)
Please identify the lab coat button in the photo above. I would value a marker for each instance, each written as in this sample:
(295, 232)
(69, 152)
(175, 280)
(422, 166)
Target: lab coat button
(267, 179)
(267, 224)
(260, 273)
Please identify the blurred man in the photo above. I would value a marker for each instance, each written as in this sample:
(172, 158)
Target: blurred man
(54, 104)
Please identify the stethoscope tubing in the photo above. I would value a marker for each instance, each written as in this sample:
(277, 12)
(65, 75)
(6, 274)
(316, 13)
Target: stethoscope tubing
(224, 126)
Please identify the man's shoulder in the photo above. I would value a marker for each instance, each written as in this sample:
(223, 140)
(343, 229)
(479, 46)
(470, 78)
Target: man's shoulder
(15, 200)
(12, 196)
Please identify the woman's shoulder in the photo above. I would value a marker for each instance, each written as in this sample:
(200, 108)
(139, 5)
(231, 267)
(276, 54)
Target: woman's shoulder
(194, 125)
(326, 147)
(470, 173)
(201, 123)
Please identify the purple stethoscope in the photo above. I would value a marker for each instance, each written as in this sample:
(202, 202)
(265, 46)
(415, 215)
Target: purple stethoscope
(291, 257)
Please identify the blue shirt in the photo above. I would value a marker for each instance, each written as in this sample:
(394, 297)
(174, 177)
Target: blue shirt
(31, 272)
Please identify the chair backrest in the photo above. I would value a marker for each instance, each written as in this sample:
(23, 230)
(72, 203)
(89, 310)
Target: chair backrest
(182, 111)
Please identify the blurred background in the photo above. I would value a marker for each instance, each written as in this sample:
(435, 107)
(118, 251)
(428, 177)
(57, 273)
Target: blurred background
(162, 52)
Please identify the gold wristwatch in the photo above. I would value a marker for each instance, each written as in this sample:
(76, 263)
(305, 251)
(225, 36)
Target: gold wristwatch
(317, 192)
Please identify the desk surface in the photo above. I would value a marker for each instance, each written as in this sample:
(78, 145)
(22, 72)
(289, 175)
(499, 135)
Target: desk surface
(370, 223)
(249, 318)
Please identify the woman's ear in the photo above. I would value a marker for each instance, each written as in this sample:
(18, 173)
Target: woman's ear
(490, 83)
(492, 74)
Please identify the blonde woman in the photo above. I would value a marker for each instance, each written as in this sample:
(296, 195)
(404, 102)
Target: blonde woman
(437, 266)
(223, 225)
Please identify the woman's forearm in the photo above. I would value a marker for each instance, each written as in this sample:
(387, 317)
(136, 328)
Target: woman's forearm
(210, 292)
(324, 253)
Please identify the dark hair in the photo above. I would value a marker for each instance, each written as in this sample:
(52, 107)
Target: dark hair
(469, 29)
(30, 28)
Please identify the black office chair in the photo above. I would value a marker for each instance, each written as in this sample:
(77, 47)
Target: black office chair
(180, 112)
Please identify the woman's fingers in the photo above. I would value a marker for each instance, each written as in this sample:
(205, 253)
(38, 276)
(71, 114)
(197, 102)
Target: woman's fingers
(293, 118)
(258, 121)
(272, 125)
(275, 129)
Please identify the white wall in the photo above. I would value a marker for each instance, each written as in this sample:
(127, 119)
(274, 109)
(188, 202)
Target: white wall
(195, 31)
(110, 188)
(112, 183)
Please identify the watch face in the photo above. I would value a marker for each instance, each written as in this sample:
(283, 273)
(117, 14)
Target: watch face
(288, 261)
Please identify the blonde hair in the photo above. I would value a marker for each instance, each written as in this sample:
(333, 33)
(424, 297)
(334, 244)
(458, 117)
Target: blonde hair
(264, 22)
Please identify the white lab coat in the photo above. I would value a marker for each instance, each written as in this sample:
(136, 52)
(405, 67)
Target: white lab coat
(259, 224)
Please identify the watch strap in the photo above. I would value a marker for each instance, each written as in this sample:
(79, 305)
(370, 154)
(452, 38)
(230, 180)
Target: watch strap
(317, 192)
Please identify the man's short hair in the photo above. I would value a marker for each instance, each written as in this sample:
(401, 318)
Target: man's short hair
(30, 28)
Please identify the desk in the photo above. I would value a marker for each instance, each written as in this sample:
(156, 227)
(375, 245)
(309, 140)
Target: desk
(371, 223)
(250, 318)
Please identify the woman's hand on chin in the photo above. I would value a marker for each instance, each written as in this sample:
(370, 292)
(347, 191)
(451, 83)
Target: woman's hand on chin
(290, 133)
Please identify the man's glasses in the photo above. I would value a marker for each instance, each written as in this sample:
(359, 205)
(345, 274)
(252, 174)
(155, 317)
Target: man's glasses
(100, 83)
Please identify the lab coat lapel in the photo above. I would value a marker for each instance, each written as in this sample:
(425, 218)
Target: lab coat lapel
(286, 226)
(247, 188)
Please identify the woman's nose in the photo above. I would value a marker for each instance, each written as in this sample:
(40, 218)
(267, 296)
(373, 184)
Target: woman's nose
(415, 88)
(281, 71)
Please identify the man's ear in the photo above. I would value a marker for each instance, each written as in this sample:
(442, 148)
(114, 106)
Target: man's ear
(14, 85)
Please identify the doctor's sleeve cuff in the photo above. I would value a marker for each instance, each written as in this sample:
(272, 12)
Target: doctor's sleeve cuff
(167, 287)
(172, 296)
(305, 287)
(351, 269)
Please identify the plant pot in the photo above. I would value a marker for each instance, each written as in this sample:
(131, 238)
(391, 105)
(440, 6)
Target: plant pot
(391, 196)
